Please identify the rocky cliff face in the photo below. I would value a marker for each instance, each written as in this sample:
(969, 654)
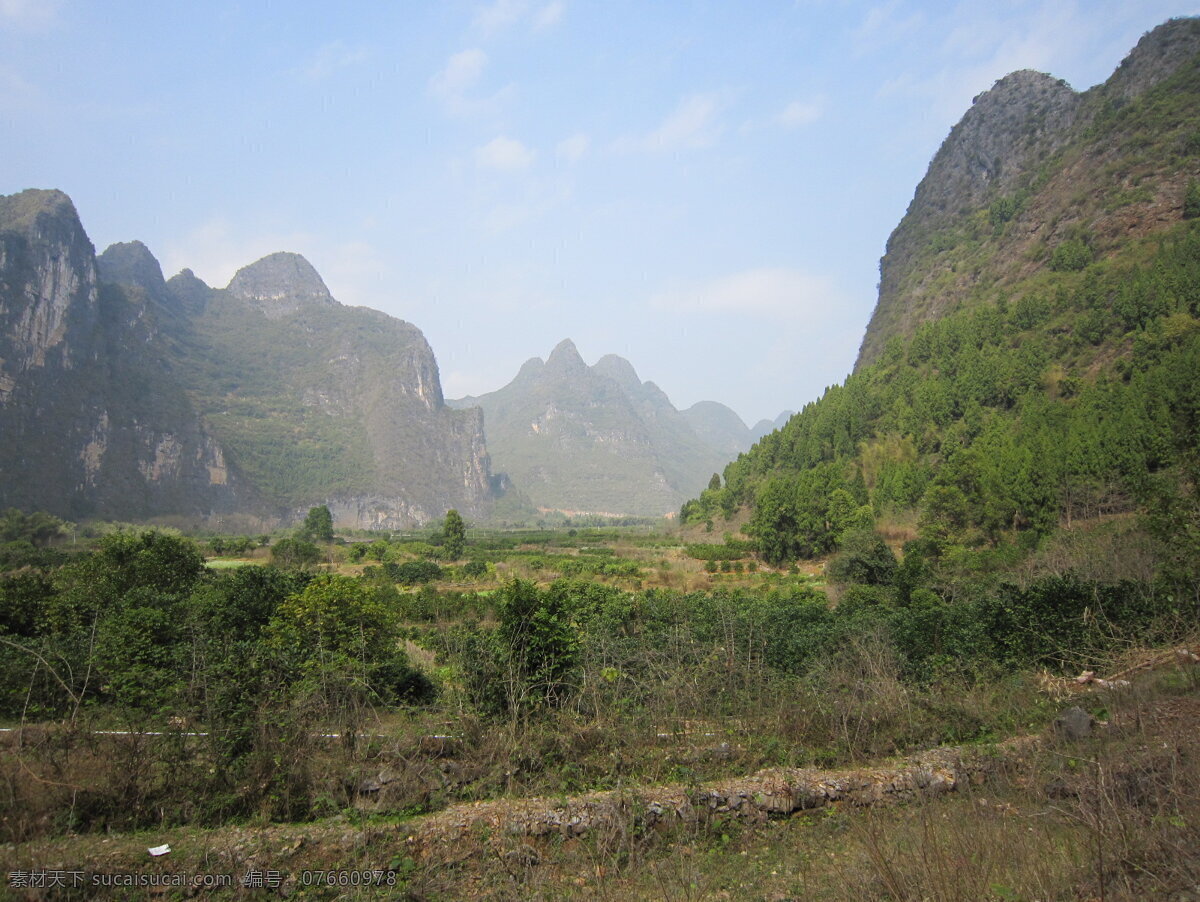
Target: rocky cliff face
(597, 439)
(48, 298)
(91, 424)
(1030, 165)
(280, 284)
(124, 395)
(319, 403)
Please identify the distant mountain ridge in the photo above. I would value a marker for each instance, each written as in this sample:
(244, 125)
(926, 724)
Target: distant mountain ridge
(126, 395)
(599, 440)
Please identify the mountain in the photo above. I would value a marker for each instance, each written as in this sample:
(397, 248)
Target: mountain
(1033, 361)
(1033, 167)
(126, 395)
(718, 427)
(598, 440)
(765, 427)
(93, 422)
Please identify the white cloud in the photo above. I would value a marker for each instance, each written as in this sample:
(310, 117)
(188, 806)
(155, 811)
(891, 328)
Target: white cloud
(573, 148)
(549, 14)
(504, 154)
(457, 82)
(503, 14)
(334, 56)
(886, 23)
(29, 13)
(500, 14)
(459, 75)
(693, 124)
(777, 293)
(799, 112)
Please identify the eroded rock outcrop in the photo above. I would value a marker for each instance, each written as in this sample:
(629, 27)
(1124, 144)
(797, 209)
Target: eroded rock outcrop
(92, 424)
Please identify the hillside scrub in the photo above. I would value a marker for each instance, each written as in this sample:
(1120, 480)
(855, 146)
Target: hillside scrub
(973, 425)
(564, 685)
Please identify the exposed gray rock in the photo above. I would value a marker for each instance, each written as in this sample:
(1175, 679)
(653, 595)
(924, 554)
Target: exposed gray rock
(120, 394)
(1156, 57)
(1010, 145)
(187, 293)
(131, 264)
(280, 284)
(1074, 724)
(1022, 119)
(93, 424)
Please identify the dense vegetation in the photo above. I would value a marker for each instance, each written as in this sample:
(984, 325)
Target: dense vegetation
(137, 633)
(993, 426)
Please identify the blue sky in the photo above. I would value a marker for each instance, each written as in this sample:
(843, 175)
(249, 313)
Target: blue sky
(704, 188)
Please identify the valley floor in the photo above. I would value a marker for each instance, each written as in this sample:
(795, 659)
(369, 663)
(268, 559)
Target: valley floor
(1114, 814)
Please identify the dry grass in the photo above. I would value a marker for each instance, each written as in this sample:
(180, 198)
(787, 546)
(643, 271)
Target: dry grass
(1115, 816)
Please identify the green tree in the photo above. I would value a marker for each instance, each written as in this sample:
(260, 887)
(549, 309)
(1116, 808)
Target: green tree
(944, 513)
(294, 553)
(341, 639)
(865, 559)
(538, 642)
(455, 533)
(1071, 255)
(1191, 200)
(475, 569)
(318, 525)
(714, 484)
(841, 511)
(39, 529)
(120, 615)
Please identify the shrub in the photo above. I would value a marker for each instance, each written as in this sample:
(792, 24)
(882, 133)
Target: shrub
(1191, 200)
(290, 553)
(865, 558)
(1071, 255)
(410, 573)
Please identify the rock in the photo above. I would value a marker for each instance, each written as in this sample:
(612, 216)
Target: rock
(439, 746)
(280, 284)
(1058, 788)
(1074, 724)
(131, 264)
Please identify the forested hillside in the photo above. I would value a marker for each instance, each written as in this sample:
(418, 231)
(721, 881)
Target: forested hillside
(1068, 390)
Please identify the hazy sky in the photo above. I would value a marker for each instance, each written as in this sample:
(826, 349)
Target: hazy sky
(704, 188)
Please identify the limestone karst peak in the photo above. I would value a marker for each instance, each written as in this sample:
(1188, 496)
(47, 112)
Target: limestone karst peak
(280, 283)
(131, 263)
(565, 356)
